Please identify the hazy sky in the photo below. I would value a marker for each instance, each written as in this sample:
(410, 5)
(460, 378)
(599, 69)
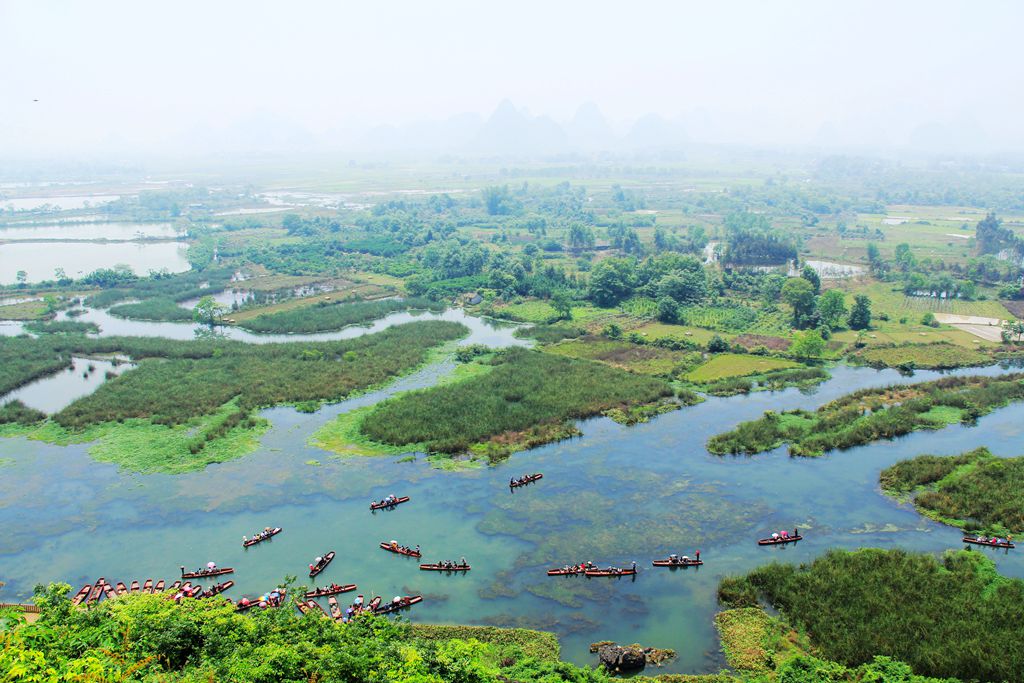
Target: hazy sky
(148, 74)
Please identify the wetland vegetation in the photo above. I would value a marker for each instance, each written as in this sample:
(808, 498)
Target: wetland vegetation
(974, 490)
(951, 617)
(333, 315)
(528, 398)
(872, 414)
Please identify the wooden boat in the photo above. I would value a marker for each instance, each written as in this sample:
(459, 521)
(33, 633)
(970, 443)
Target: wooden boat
(678, 562)
(185, 588)
(135, 587)
(259, 539)
(382, 505)
(121, 588)
(176, 585)
(303, 606)
(159, 587)
(401, 551)
(108, 591)
(218, 588)
(450, 568)
(322, 564)
(374, 604)
(407, 601)
(204, 573)
(571, 571)
(148, 586)
(528, 480)
(314, 606)
(82, 595)
(780, 540)
(990, 544)
(614, 571)
(97, 589)
(332, 603)
(333, 589)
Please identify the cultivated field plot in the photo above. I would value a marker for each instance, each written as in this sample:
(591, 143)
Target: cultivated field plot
(726, 365)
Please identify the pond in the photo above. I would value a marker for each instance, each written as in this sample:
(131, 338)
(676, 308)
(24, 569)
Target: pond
(89, 230)
(53, 392)
(615, 495)
(78, 259)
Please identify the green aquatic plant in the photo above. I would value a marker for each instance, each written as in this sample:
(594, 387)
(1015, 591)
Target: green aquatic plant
(973, 490)
(954, 616)
(503, 410)
(872, 414)
(325, 316)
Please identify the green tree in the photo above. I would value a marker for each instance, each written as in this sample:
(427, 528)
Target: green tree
(581, 236)
(860, 314)
(612, 331)
(832, 308)
(905, 257)
(497, 200)
(562, 303)
(799, 293)
(22, 277)
(718, 345)
(811, 275)
(684, 286)
(611, 281)
(873, 254)
(807, 344)
(207, 310)
(668, 310)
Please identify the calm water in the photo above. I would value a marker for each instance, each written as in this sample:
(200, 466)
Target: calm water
(90, 230)
(489, 332)
(52, 393)
(65, 203)
(78, 259)
(616, 494)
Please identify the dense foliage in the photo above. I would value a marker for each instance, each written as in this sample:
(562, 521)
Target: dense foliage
(872, 414)
(954, 617)
(325, 316)
(143, 637)
(526, 389)
(972, 490)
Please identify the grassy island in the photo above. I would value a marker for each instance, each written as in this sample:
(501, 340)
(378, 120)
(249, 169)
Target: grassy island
(973, 490)
(872, 414)
(326, 316)
(526, 399)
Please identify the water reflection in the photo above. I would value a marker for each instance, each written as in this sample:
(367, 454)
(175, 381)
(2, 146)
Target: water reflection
(52, 393)
(78, 259)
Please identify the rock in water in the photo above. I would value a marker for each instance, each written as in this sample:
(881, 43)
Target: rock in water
(617, 658)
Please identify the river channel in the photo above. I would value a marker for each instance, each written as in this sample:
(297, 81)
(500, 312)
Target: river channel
(615, 495)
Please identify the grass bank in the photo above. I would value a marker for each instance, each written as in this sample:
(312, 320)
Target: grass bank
(872, 414)
(935, 356)
(951, 617)
(974, 490)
